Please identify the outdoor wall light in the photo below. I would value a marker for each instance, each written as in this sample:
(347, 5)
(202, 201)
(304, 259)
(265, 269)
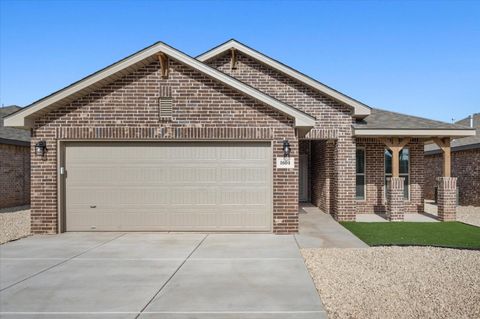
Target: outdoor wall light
(286, 148)
(40, 148)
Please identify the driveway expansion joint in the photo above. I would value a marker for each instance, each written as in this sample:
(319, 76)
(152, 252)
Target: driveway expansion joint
(173, 275)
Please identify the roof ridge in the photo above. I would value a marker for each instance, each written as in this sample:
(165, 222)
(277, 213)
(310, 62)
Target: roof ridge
(421, 117)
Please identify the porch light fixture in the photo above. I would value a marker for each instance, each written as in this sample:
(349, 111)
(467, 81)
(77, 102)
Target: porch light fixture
(286, 148)
(40, 148)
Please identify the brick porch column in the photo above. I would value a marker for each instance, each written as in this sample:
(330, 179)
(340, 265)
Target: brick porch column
(343, 207)
(395, 199)
(447, 198)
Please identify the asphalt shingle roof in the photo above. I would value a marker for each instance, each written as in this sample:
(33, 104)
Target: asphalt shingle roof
(11, 133)
(469, 142)
(381, 119)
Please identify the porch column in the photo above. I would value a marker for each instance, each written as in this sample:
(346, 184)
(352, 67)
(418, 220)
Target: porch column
(343, 207)
(446, 184)
(395, 185)
(395, 198)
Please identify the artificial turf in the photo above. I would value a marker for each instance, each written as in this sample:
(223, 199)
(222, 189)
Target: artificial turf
(445, 234)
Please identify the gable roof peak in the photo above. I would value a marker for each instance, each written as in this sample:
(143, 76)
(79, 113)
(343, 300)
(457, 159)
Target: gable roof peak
(360, 110)
(26, 116)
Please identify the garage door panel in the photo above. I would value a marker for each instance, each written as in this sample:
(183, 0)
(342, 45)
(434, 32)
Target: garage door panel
(193, 196)
(109, 196)
(168, 186)
(238, 175)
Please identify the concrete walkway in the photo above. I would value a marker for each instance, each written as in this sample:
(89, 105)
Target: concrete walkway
(382, 218)
(320, 230)
(156, 275)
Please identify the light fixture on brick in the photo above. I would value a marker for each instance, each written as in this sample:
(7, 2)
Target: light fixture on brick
(40, 148)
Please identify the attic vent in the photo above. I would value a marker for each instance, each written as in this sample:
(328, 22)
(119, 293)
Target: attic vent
(165, 108)
(165, 103)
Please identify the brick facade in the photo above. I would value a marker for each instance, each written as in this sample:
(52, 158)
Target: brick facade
(128, 110)
(375, 177)
(465, 166)
(447, 188)
(333, 122)
(322, 168)
(395, 198)
(14, 175)
(204, 109)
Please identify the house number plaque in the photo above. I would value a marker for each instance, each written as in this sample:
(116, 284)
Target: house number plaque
(285, 162)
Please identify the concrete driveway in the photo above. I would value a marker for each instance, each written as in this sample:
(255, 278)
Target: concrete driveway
(156, 275)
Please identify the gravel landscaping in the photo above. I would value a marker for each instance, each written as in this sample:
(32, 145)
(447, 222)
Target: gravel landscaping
(397, 282)
(469, 215)
(465, 214)
(14, 223)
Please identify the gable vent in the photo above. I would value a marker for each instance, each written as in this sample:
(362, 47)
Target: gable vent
(165, 103)
(165, 107)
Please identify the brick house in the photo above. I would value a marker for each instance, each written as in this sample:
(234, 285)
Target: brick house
(229, 141)
(465, 164)
(14, 163)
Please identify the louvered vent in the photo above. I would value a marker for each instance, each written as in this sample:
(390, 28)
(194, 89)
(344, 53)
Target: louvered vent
(165, 103)
(165, 107)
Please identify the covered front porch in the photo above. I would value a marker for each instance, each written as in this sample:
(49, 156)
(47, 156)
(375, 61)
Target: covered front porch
(381, 172)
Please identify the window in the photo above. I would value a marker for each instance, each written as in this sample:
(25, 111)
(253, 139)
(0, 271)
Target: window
(404, 169)
(360, 184)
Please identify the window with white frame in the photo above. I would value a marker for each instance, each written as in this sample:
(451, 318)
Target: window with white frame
(404, 169)
(360, 172)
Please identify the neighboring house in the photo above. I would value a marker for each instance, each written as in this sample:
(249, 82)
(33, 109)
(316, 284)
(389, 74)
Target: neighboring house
(465, 164)
(14, 163)
(228, 141)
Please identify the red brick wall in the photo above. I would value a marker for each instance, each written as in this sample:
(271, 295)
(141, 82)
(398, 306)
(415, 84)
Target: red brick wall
(465, 166)
(433, 165)
(14, 175)
(395, 206)
(333, 121)
(322, 174)
(375, 168)
(446, 198)
(128, 109)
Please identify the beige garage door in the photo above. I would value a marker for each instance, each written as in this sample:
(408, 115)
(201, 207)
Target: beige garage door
(168, 186)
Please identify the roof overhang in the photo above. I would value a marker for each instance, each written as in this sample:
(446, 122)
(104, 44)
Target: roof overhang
(25, 118)
(360, 110)
(421, 133)
(14, 142)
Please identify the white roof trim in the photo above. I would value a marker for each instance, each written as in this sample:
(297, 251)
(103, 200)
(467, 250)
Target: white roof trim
(414, 132)
(23, 117)
(360, 109)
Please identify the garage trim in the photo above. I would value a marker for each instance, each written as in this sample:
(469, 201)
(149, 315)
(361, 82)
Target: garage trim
(61, 182)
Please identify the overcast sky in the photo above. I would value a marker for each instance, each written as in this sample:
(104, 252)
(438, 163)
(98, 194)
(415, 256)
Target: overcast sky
(419, 58)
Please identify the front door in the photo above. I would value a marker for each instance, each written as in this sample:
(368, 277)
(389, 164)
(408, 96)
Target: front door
(303, 179)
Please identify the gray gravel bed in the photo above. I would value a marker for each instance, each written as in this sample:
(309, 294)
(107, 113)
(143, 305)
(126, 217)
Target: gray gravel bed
(396, 282)
(469, 215)
(14, 223)
(465, 214)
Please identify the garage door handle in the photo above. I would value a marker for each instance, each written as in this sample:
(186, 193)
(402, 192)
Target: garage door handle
(93, 206)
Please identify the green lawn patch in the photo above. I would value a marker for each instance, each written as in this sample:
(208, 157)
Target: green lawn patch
(447, 234)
